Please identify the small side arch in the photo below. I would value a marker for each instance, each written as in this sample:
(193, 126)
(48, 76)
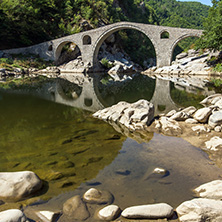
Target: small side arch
(87, 40)
(164, 35)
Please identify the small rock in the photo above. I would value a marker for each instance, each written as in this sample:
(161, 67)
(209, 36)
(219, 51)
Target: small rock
(215, 119)
(110, 212)
(218, 129)
(214, 143)
(152, 211)
(48, 216)
(171, 113)
(199, 128)
(75, 208)
(95, 196)
(191, 121)
(123, 172)
(180, 116)
(211, 190)
(12, 215)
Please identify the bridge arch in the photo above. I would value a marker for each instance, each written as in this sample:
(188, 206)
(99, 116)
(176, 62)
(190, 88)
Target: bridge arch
(58, 49)
(112, 30)
(180, 39)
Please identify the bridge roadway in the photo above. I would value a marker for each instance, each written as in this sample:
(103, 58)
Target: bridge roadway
(90, 41)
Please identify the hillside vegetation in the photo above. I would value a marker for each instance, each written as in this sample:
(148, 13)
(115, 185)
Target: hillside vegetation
(27, 22)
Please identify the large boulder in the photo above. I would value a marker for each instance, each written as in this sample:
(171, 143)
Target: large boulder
(134, 116)
(201, 115)
(199, 210)
(211, 100)
(12, 215)
(15, 186)
(151, 211)
(215, 119)
(211, 190)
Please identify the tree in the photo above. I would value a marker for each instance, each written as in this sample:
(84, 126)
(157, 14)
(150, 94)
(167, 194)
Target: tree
(212, 35)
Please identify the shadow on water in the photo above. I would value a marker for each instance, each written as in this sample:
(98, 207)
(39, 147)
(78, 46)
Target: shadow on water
(59, 140)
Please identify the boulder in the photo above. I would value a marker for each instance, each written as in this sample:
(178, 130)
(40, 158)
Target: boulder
(211, 190)
(13, 215)
(134, 116)
(189, 110)
(95, 196)
(201, 115)
(110, 212)
(152, 211)
(215, 119)
(214, 143)
(211, 100)
(181, 55)
(200, 209)
(168, 126)
(75, 208)
(199, 128)
(180, 116)
(15, 186)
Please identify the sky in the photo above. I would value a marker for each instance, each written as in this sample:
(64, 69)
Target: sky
(205, 2)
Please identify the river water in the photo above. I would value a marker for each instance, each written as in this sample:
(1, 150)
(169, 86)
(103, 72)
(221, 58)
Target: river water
(49, 129)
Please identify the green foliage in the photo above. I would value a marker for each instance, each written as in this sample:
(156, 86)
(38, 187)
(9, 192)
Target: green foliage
(25, 61)
(212, 37)
(105, 62)
(218, 68)
(216, 82)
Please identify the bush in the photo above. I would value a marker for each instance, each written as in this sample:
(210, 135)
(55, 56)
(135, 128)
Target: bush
(105, 62)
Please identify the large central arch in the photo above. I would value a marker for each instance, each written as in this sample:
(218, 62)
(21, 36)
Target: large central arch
(112, 30)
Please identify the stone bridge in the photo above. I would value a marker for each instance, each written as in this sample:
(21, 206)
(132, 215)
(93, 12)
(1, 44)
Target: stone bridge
(90, 41)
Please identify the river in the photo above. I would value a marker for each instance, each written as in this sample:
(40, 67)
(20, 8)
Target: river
(49, 129)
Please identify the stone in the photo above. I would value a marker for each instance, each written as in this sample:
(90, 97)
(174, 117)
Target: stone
(180, 116)
(210, 100)
(76, 208)
(95, 196)
(151, 211)
(191, 121)
(13, 215)
(169, 126)
(215, 119)
(110, 212)
(214, 143)
(199, 128)
(134, 116)
(211, 190)
(15, 186)
(171, 113)
(181, 55)
(200, 209)
(189, 110)
(218, 129)
(48, 216)
(201, 115)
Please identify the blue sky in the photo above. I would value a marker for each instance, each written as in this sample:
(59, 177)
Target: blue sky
(206, 2)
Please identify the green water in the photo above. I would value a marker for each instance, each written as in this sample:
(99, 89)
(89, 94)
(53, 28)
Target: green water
(63, 145)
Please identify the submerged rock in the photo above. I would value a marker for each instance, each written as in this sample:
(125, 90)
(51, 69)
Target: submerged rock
(16, 186)
(152, 211)
(201, 209)
(75, 208)
(95, 196)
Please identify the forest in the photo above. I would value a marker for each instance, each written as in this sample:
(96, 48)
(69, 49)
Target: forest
(27, 22)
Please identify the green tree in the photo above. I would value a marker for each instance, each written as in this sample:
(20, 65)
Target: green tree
(212, 36)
